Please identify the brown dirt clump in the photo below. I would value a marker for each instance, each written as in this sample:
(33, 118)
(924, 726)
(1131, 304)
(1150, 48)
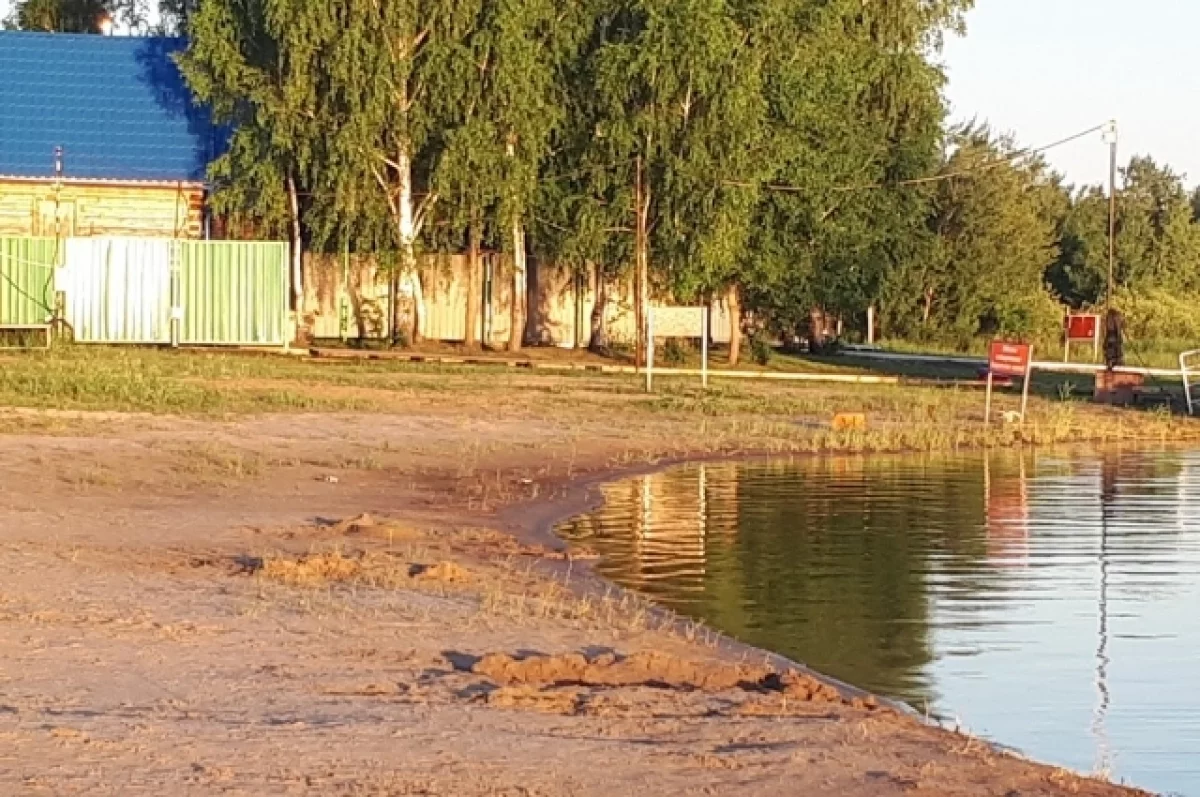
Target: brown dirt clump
(355, 525)
(654, 670)
(315, 569)
(367, 525)
(530, 698)
(443, 572)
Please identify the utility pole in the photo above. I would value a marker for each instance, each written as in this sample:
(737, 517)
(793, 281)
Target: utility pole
(641, 263)
(1114, 340)
(1110, 137)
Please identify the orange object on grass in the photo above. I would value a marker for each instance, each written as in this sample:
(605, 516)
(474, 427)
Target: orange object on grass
(849, 422)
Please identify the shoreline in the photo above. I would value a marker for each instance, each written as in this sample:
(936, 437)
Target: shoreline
(585, 496)
(214, 580)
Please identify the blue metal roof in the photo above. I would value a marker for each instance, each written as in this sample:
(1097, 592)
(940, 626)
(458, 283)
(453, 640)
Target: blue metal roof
(118, 107)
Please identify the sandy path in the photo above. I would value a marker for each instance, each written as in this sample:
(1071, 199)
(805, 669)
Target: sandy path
(146, 647)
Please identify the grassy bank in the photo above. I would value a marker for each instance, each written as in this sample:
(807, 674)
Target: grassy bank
(730, 417)
(217, 545)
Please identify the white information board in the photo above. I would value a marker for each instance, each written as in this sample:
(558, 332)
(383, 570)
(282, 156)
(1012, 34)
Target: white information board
(676, 322)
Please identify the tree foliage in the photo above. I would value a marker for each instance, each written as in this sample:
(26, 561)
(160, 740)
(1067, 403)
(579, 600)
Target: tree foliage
(87, 16)
(61, 16)
(796, 151)
(992, 237)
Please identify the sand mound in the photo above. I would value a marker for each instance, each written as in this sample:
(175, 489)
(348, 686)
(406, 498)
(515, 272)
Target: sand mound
(651, 669)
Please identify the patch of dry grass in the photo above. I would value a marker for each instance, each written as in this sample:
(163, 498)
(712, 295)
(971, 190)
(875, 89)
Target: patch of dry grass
(92, 476)
(316, 569)
(218, 462)
(442, 572)
(372, 569)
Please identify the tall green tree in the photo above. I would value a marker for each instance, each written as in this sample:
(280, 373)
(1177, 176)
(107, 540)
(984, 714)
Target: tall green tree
(497, 109)
(585, 204)
(665, 106)
(855, 111)
(1157, 242)
(61, 16)
(259, 77)
(994, 225)
(369, 106)
(334, 105)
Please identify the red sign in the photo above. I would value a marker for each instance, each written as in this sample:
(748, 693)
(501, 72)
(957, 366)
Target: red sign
(1082, 327)
(1009, 359)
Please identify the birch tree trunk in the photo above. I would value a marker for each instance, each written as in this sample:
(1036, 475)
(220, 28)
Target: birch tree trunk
(734, 302)
(599, 337)
(408, 240)
(516, 334)
(641, 286)
(297, 247)
(474, 289)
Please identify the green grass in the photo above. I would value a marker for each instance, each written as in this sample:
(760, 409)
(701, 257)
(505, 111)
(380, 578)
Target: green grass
(1138, 354)
(680, 418)
(147, 380)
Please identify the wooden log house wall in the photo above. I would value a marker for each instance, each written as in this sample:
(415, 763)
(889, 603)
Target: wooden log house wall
(70, 209)
(99, 136)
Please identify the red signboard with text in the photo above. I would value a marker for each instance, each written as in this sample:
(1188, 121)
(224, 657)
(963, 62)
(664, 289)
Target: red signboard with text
(1083, 327)
(1009, 359)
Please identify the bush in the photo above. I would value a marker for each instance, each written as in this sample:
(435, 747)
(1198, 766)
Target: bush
(1036, 318)
(674, 352)
(1159, 315)
(760, 348)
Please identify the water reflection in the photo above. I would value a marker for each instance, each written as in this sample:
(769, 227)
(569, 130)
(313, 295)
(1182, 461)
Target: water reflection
(1048, 601)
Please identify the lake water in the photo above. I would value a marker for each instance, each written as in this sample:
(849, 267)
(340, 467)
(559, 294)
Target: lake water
(1049, 602)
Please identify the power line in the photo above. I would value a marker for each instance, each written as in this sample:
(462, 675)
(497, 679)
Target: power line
(992, 164)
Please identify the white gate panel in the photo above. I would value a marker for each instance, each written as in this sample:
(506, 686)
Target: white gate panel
(118, 290)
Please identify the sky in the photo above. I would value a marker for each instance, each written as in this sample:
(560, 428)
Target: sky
(1046, 69)
(1043, 70)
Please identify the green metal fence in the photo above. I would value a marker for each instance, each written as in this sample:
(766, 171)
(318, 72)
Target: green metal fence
(142, 290)
(232, 293)
(27, 280)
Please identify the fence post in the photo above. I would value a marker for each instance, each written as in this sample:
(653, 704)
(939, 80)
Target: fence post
(705, 325)
(649, 350)
(1184, 371)
(176, 295)
(1025, 387)
(987, 410)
